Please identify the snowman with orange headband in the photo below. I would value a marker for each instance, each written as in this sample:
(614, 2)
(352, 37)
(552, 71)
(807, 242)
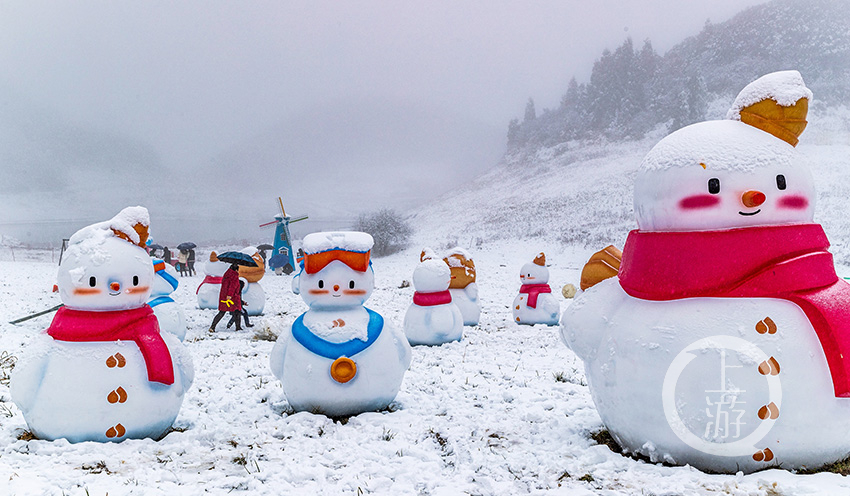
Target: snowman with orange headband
(339, 358)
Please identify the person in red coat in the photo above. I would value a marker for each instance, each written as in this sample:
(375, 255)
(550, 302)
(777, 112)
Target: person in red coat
(229, 298)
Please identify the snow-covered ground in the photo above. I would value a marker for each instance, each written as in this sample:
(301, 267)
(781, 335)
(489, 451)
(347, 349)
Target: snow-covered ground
(504, 411)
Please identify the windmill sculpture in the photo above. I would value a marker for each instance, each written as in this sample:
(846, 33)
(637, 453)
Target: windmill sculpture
(282, 260)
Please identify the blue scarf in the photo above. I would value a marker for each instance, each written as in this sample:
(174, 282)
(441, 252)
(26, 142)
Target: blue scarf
(330, 350)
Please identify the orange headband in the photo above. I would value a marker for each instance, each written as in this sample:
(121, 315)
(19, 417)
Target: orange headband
(314, 262)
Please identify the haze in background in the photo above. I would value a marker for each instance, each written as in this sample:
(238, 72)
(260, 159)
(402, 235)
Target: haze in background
(205, 112)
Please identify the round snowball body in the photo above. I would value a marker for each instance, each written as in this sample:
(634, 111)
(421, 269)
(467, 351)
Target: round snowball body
(336, 286)
(105, 273)
(255, 297)
(709, 382)
(431, 276)
(722, 175)
(532, 273)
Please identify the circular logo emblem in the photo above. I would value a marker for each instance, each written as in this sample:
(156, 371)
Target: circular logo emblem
(740, 447)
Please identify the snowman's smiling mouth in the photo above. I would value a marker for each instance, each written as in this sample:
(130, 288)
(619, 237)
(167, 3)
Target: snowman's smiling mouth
(750, 213)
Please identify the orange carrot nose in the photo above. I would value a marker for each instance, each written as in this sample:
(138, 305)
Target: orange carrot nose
(114, 286)
(753, 198)
(336, 287)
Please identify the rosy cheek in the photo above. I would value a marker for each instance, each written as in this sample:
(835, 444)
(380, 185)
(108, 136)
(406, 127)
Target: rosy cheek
(698, 201)
(354, 291)
(796, 202)
(318, 291)
(86, 291)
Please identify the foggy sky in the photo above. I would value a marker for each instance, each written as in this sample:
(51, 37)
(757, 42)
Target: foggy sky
(197, 80)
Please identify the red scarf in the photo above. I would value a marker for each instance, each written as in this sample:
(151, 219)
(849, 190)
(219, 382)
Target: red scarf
(208, 280)
(787, 262)
(431, 299)
(138, 325)
(533, 291)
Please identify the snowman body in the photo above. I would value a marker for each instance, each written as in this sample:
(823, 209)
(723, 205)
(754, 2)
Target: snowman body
(466, 300)
(253, 296)
(540, 308)
(73, 384)
(679, 369)
(168, 312)
(339, 358)
(210, 288)
(432, 318)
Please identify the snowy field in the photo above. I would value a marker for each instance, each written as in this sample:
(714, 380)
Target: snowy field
(504, 411)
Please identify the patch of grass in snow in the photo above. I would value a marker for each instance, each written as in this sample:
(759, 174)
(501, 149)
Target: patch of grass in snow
(7, 363)
(840, 467)
(387, 435)
(264, 333)
(95, 468)
(26, 435)
(586, 478)
(605, 437)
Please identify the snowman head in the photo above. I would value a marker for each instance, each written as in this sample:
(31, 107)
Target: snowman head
(734, 173)
(432, 275)
(214, 267)
(165, 279)
(336, 271)
(105, 267)
(535, 272)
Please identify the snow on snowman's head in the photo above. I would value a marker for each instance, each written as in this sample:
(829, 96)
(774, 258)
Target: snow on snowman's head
(105, 267)
(431, 276)
(535, 272)
(336, 270)
(733, 173)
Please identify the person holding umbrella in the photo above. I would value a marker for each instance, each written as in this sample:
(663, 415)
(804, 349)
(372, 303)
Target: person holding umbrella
(230, 297)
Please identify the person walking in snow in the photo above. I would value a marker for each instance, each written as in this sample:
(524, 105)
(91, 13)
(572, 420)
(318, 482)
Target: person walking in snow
(229, 298)
(191, 261)
(182, 259)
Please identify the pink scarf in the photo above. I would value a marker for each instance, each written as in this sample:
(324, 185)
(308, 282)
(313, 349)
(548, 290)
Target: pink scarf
(138, 325)
(533, 291)
(787, 262)
(431, 299)
(208, 280)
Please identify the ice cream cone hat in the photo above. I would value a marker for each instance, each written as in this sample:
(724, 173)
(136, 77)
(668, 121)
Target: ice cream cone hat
(776, 103)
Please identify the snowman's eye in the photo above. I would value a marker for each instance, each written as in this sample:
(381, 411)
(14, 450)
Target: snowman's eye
(714, 186)
(135, 280)
(351, 285)
(321, 284)
(780, 182)
(92, 281)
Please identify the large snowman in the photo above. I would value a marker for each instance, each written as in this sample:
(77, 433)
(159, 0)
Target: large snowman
(168, 312)
(102, 371)
(432, 318)
(724, 342)
(339, 358)
(209, 289)
(463, 287)
(535, 303)
(253, 296)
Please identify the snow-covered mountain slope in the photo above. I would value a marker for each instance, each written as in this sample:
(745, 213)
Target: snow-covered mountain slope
(580, 194)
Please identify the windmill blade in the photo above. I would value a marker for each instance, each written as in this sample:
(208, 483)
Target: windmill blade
(303, 217)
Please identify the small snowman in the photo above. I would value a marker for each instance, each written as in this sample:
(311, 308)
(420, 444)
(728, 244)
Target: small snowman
(535, 304)
(168, 313)
(432, 318)
(210, 287)
(339, 358)
(463, 287)
(253, 296)
(102, 371)
(724, 341)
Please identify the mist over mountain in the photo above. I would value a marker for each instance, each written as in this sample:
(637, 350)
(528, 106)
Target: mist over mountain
(633, 89)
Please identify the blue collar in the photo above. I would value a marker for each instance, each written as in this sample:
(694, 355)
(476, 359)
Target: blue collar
(330, 350)
(160, 300)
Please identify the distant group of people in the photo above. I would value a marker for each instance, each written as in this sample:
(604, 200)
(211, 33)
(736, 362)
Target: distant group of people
(185, 260)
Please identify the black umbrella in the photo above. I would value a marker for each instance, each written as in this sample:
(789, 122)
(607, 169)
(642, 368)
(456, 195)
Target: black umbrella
(186, 246)
(265, 246)
(154, 246)
(238, 258)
